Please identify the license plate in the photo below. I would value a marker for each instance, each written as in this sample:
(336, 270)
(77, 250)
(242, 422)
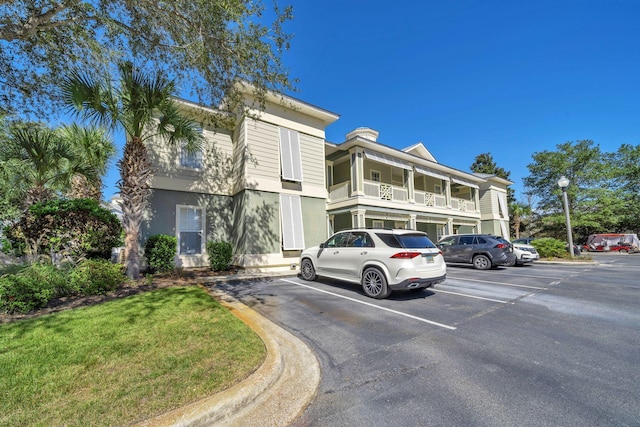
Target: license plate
(428, 258)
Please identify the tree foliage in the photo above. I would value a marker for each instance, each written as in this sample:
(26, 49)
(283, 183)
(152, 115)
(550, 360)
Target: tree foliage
(484, 163)
(78, 228)
(39, 163)
(142, 105)
(205, 44)
(601, 194)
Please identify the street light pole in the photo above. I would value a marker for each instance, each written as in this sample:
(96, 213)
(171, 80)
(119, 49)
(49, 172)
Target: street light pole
(563, 183)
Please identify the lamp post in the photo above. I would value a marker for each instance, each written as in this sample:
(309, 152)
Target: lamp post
(563, 183)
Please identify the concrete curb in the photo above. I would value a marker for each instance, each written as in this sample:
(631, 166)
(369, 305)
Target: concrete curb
(274, 395)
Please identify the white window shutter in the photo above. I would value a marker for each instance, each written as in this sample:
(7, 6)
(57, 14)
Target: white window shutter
(290, 155)
(291, 222)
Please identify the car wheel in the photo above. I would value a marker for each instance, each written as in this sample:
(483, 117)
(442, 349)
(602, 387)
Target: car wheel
(374, 284)
(623, 251)
(307, 270)
(481, 262)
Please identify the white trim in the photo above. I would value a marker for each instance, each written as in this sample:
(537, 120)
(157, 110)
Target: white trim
(463, 182)
(201, 231)
(387, 160)
(502, 202)
(431, 172)
(290, 157)
(291, 222)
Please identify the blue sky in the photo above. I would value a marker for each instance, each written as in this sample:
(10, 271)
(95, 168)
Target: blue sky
(468, 77)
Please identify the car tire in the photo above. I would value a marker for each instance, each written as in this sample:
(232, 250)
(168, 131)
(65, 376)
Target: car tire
(374, 284)
(481, 262)
(307, 270)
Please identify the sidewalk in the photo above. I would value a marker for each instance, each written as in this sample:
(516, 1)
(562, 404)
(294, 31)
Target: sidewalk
(274, 395)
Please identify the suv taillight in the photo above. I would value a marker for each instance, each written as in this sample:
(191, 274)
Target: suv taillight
(501, 246)
(405, 255)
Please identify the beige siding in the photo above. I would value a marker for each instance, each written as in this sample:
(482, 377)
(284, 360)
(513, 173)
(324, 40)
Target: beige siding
(263, 152)
(239, 158)
(214, 178)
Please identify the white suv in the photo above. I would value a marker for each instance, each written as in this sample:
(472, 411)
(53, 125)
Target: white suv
(524, 253)
(381, 260)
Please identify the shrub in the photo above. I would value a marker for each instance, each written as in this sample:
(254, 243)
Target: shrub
(549, 247)
(77, 228)
(219, 255)
(31, 288)
(95, 276)
(160, 251)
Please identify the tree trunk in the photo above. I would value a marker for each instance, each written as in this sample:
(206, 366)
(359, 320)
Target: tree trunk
(81, 188)
(135, 173)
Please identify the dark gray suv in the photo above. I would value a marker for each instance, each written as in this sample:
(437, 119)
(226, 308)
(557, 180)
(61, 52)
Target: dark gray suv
(484, 251)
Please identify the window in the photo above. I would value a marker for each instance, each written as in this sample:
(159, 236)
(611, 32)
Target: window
(290, 158)
(337, 241)
(359, 240)
(190, 224)
(375, 176)
(377, 224)
(191, 160)
(291, 222)
(467, 240)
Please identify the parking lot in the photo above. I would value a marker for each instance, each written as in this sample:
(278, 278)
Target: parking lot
(543, 344)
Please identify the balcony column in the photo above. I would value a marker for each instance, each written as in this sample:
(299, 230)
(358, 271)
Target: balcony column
(330, 222)
(476, 199)
(410, 186)
(357, 218)
(412, 222)
(447, 194)
(357, 171)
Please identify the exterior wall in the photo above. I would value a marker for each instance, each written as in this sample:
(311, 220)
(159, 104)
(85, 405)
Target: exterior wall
(261, 157)
(160, 218)
(314, 220)
(215, 177)
(256, 225)
(257, 229)
(492, 227)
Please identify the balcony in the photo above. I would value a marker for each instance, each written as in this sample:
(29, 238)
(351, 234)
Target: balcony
(430, 199)
(394, 193)
(463, 205)
(382, 191)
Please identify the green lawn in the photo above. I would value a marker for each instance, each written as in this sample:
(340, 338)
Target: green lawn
(122, 361)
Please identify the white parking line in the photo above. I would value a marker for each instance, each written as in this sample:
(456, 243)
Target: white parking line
(498, 283)
(536, 276)
(453, 328)
(469, 296)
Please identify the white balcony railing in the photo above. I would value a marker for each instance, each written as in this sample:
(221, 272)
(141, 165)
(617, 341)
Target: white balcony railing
(385, 191)
(395, 193)
(339, 191)
(463, 205)
(430, 199)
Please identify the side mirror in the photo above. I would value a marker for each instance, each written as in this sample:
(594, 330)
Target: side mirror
(321, 245)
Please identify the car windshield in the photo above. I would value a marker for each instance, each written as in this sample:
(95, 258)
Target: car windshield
(414, 241)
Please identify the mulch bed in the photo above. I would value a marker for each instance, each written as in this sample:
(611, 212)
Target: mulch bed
(131, 287)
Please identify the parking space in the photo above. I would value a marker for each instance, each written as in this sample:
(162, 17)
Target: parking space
(467, 293)
(477, 349)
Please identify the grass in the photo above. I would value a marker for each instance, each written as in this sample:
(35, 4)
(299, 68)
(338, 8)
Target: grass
(122, 361)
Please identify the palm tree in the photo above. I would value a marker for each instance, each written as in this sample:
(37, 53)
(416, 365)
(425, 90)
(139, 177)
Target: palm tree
(42, 162)
(519, 211)
(95, 149)
(144, 107)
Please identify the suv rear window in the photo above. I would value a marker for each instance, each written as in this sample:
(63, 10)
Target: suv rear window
(407, 241)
